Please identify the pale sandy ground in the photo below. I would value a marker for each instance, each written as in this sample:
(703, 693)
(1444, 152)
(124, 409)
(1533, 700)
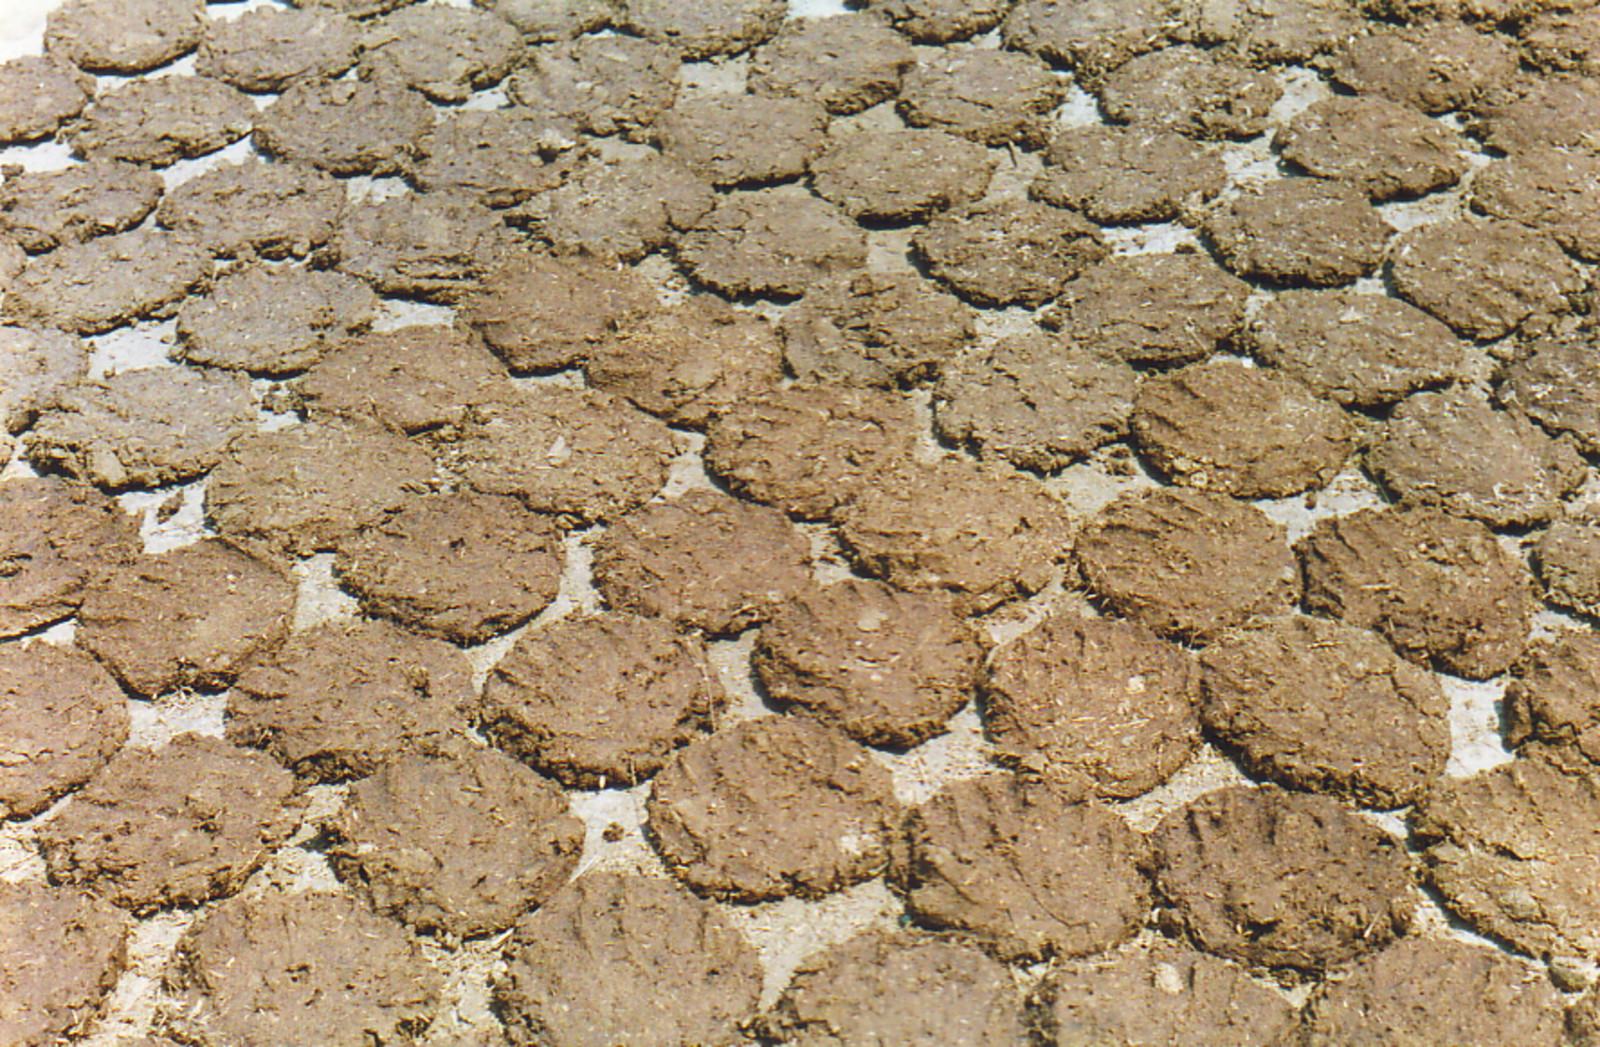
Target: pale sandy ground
(785, 932)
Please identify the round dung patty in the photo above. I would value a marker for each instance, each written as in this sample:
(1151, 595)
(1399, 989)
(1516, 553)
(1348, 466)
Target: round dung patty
(847, 62)
(773, 807)
(1387, 149)
(1127, 174)
(42, 210)
(275, 210)
(742, 139)
(605, 85)
(93, 287)
(1097, 706)
(871, 328)
(1551, 697)
(992, 97)
(1568, 561)
(1191, 92)
(124, 36)
(273, 319)
(269, 48)
(1279, 879)
(346, 127)
(1008, 252)
(62, 540)
(177, 826)
(497, 157)
(1022, 869)
(773, 243)
(1548, 189)
(62, 716)
(163, 120)
(601, 700)
(626, 208)
(627, 959)
(900, 175)
(61, 950)
(1434, 68)
(1535, 111)
(706, 28)
(445, 52)
(940, 21)
(1556, 385)
(434, 246)
(1300, 231)
(1091, 39)
(41, 92)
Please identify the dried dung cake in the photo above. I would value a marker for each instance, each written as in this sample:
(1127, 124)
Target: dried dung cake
(410, 379)
(812, 450)
(124, 36)
(1325, 706)
(1225, 426)
(1438, 587)
(445, 52)
(1091, 39)
(1356, 349)
(1019, 867)
(742, 140)
(346, 127)
(887, 667)
(605, 85)
(273, 320)
(1191, 92)
(1513, 851)
(872, 328)
(689, 363)
(1097, 706)
(93, 287)
(1034, 400)
(62, 716)
(42, 93)
(269, 48)
(497, 157)
(293, 492)
(847, 62)
(177, 826)
(1163, 994)
(770, 243)
(540, 21)
(1548, 189)
(41, 365)
(706, 28)
(995, 98)
(43, 210)
(1189, 564)
(600, 700)
(1283, 880)
(433, 246)
(773, 807)
(1436, 991)
(187, 618)
(336, 701)
(62, 541)
(1121, 175)
(1483, 278)
(1533, 112)
(703, 560)
(1299, 231)
(1550, 704)
(1567, 558)
(940, 21)
(161, 121)
(1434, 68)
(143, 428)
(901, 175)
(884, 987)
(274, 210)
(463, 844)
(1151, 309)
(627, 959)
(580, 454)
(542, 313)
(1451, 449)
(1008, 252)
(1555, 383)
(625, 208)
(1557, 41)
(63, 950)
(356, 977)
(982, 534)
(459, 566)
(1387, 149)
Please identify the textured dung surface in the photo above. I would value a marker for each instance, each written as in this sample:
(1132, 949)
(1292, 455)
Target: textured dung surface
(62, 541)
(1562, 41)
(463, 844)
(541, 313)
(544, 20)
(1095, 705)
(1541, 111)
(433, 246)
(1225, 426)
(460, 566)
(160, 121)
(627, 959)
(1151, 309)
(1439, 588)
(41, 94)
(1548, 189)
(1300, 231)
(1387, 149)
(900, 175)
(1035, 401)
(273, 320)
(292, 492)
(1188, 563)
(771, 243)
(1452, 450)
(1160, 995)
(269, 48)
(124, 36)
(1557, 386)
(847, 63)
(811, 451)
(870, 328)
(292, 968)
(690, 363)
(411, 379)
(582, 455)
(1008, 252)
(626, 208)
(443, 51)
(1022, 869)
(600, 700)
(1278, 879)
(941, 21)
(604, 84)
(1358, 350)
(177, 826)
(274, 210)
(41, 366)
(498, 157)
(993, 97)
(1190, 92)
(742, 140)
(1568, 561)
(1513, 850)
(42, 210)
(1127, 174)
(885, 666)
(1434, 68)
(1321, 705)
(1550, 697)
(106, 282)
(773, 807)
(1092, 39)
(62, 716)
(703, 560)
(336, 701)
(707, 28)
(143, 428)
(883, 987)
(346, 127)
(185, 618)
(983, 534)
(1420, 991)
(63, 950)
